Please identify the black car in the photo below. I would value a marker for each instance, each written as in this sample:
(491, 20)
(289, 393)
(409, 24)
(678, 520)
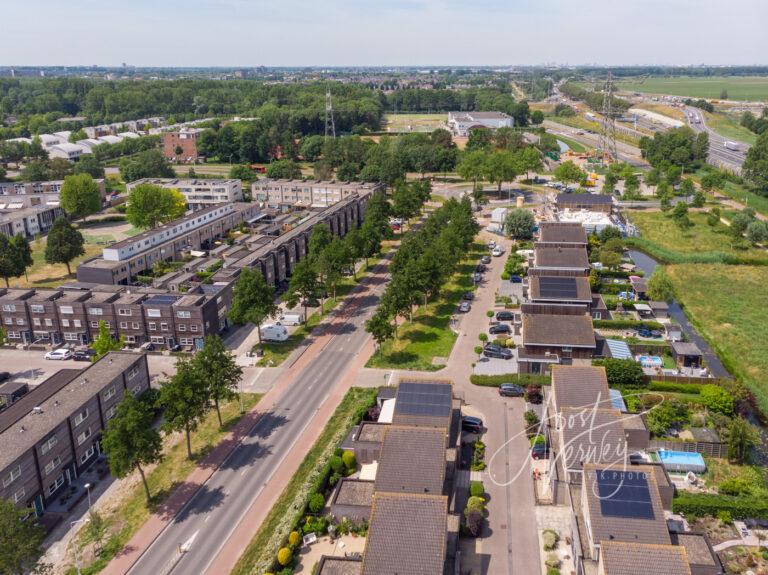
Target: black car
(511, 390)
(505, 315)
(539, 451)
(480, 268)
(499, 328)
(83, 354)
(471, 424)
(485, 259)
(496, 351)
(468, 296)
(516, 279)
(176, 347)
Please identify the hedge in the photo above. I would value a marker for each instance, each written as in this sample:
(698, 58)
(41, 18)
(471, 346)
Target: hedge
(668, 256)
(522, 379)
(625, 324)
(699, 504)
(673, 387)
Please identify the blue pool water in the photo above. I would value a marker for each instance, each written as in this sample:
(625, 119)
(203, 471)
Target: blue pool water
(650, 360)
(682, 461)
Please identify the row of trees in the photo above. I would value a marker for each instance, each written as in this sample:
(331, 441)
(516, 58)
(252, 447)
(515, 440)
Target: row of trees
(498, 166)
(423, 264)
(680, 148)
(755, 124)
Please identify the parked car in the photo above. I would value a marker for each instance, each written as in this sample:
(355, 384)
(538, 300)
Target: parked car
(480, 268)
(497, 251)
(471, 424)
(496, 351)
(176, 347)
(83, 354)
(59, 354)
(464, 307)
(148, 346)
(539, 451)
(516, 279)
(274, 332)
(505, 315)
(468, 296)
(292, 318)
(477, 277)
(485, 259)
(511, 390)
(4, 375)
(499, 328)
(491, 245)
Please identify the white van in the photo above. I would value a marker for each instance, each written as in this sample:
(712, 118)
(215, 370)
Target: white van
(291, 318)
(274, 332)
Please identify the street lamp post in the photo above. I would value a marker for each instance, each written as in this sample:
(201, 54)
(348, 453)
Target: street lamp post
(240, 393)
(88, 489)
(74, 539)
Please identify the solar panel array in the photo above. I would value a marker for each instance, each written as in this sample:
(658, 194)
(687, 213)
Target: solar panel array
(162, 299)
(429, 399)
(557, 287)
(624, 494)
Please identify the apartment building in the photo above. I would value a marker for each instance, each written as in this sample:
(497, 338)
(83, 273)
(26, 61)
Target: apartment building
(198, 193)
(286, 194)
(51, 434)
(31, 194)
(28, 221)
(181, 146)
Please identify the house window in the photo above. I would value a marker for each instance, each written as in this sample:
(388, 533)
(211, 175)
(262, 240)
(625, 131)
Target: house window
(193, 327)
(153, 313)
(110, 393)
(124, 312)
(37, 308)
(567, 349)
(130, 339)
(65, 323)
(52, 464)
(8, 321)
(135, 325)
(163, 326)
(110, 413)
(77, 323)
(12, 476)
(9, 307)
(46, 447)
(19, 495)
(67, 309)
(14, 335)
(152, 326)
(136, 390)
(48, 322)
(19, 321)
(36, 321)
(157, 339)
(123, 325)
(55, 485)
(184, 314)
(87, 454)
(133, 373)
(69, 336)
(95, 311)
(82, 416)
(182, 327)
(95, 324)
(186, 341)
(83, 436)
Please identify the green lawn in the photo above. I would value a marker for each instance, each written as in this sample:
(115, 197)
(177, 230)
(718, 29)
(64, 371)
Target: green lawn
(428, 335)
(742, 195)
(262, 549)
(739, 88)
(577, 147)
(414, 122)
(131, 512)
(728, 306)
(727, 125)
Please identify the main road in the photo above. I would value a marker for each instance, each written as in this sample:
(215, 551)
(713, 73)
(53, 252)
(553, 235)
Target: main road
(719, 155)
(206, 522)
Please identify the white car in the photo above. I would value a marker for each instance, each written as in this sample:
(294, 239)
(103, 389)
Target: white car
(497, 251)
(59, 354)
(491, 245)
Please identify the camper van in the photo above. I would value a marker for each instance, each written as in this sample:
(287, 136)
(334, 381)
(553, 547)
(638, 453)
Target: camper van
(274, 332)
(291, 319)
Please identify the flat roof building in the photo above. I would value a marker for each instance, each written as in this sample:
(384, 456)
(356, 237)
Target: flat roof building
(199, 193)
(589, 202)
(284, 193)
(460, 123)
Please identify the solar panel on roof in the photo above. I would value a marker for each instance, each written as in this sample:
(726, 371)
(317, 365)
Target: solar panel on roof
(557, 287)
(624, 494)
(428, 399)
(162, 299)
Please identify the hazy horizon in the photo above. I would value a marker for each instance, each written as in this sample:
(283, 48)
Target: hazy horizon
(421, 33)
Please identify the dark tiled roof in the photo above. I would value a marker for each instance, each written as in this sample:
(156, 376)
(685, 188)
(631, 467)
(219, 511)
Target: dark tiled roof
(696, 546)
(354, 492)
(562, 233)
(339, 566)
(591, 436)
(577, 386)
(685, 348)
(621, 558)
(558, 257)
(407, 535)
(371, 431)
(626, 529)
(558, 330)
(412, 460)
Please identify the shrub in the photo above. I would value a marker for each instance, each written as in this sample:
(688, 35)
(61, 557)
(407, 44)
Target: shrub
(717, 399)
(626, 324)
(478, 349)
(550, 538)
(533, 394)
(520, 379)
(334, 479)
(474, 522)
(483, 337)
(724, 517)
(537, 440)
(735, 486)
(552, 562)
(476, 489)
(489, 313)
(553, 570)
(337, 464)
(622, 372)
(349, 459)
(700, 504)
(316, 502)
(670, 386)
(531, 418)
(294, 539)
(284, 556)
(475, 503)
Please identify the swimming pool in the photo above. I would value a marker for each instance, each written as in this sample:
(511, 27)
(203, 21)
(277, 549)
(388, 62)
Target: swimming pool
(650, 360)
(682, 461)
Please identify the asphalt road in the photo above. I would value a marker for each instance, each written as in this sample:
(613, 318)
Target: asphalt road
(627, 153)
(209, 518)
(719, 155)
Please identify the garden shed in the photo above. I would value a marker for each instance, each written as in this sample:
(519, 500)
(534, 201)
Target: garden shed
(686, 354)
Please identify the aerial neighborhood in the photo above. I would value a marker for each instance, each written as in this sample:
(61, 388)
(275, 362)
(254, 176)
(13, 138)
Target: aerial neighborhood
(382, 319)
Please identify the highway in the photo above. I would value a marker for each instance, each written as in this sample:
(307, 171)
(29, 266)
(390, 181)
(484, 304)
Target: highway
(207, 521)
(627, 153)
(719, 155)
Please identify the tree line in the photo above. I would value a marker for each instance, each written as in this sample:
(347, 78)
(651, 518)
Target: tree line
(423, 264)
(594, 99)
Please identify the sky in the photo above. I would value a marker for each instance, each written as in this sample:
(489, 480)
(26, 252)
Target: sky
(382, 32)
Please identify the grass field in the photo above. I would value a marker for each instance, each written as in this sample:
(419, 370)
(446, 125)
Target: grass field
(414, 122)
(582, 123)
(727, 125)
(744, 196)
(41, 274)
(663, 109)
(577, 147)
(428, 335)
(739, 88)
(661, 229)
(727, 305)
(129, 514)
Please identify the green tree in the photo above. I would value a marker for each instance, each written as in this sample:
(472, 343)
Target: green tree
(380, 327)
(739, 223)
(64, 244)
(131, 441)
(501, 167)
(713, 217)
(660, 287)
(283, 169)
(80, 196)
(9, 267)
(755, 167)
(698, 199)
(253, 300)
(243, 172)
(184, 399)
(471, 167)
(741, 436)
(568, 172)
(611, 179)
(90, 165)
(77, 135)
(537, 117)
(519, 224)
(331, 264)
(103, 343)
(59, 168)
(529, 160)
(217, 368)
(303, 285)
(322, 170)
(320, 239)
(757, 232)
(687, 187)
(622, 372)
(21, 540)
(96, 529)
(150, 205)
(717, 399)
(36, 171)
(146, 164)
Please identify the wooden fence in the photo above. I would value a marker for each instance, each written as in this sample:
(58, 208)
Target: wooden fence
(710, 449)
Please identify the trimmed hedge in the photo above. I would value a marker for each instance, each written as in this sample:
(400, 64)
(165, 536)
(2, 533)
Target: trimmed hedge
(675, 387)
(699, 504)
(668, 256)
(522, 379)
(626, 324)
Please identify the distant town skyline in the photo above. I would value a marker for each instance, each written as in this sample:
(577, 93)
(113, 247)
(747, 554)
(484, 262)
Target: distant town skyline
(397, 33)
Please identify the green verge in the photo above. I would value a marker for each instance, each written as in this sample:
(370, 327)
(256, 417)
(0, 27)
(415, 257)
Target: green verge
(516, 378)
(428, 335)
(132, 512)
(289, 508)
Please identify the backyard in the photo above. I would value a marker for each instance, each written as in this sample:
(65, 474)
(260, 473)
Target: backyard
(727, 305)
(738, 87)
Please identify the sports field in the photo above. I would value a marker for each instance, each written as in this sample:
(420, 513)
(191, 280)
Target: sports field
(414, 122)
(739, 88)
